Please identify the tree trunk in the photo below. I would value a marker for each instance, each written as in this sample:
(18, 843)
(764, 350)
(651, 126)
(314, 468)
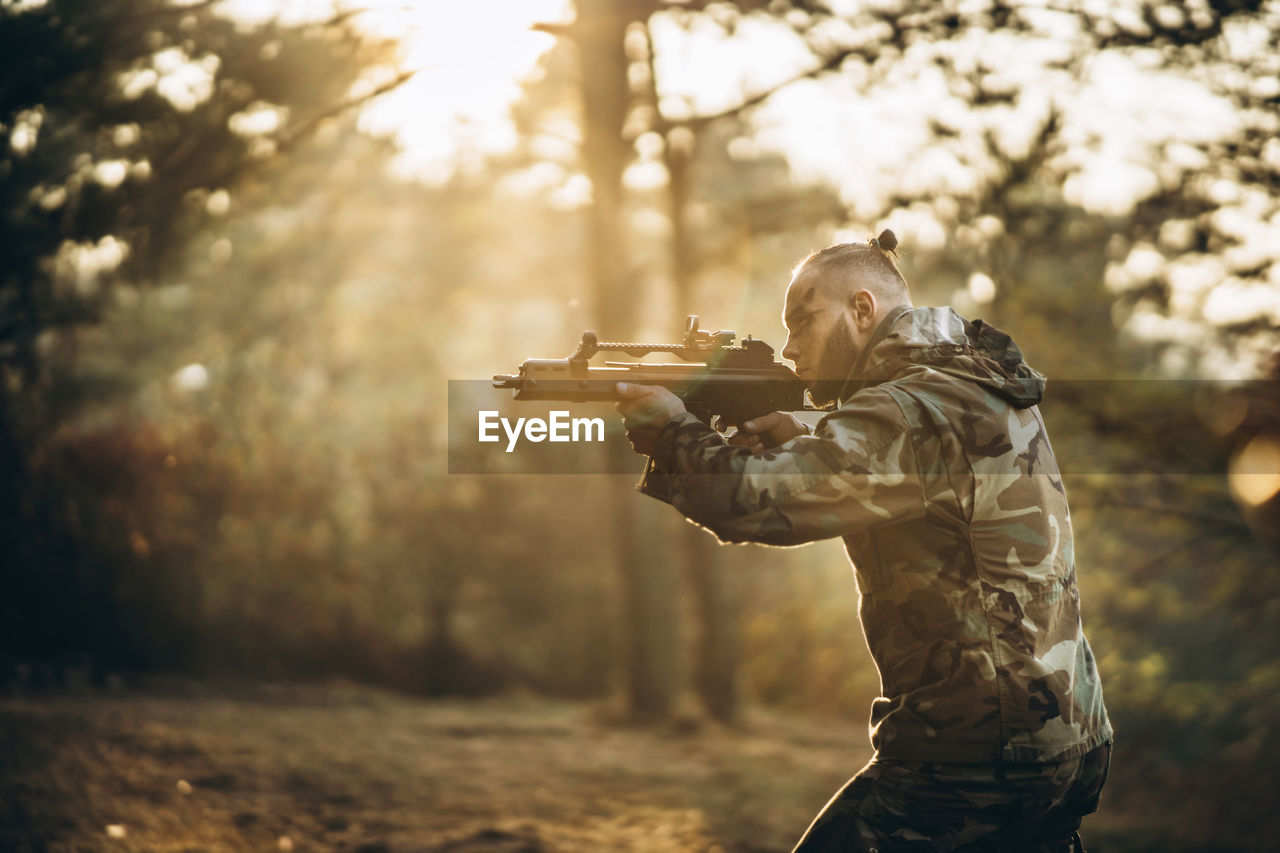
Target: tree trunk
(715, 601)
(649, 604)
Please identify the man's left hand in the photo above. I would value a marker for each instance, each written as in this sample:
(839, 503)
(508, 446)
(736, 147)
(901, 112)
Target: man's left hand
(645, 410)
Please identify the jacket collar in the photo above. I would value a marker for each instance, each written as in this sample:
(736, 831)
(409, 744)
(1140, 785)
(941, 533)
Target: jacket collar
(853, 381)
(943, 341)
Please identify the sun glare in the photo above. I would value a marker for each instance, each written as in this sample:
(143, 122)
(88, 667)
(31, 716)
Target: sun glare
(469, 57)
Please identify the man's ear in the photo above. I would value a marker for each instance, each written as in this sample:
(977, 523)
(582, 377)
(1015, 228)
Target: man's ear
(862, 306)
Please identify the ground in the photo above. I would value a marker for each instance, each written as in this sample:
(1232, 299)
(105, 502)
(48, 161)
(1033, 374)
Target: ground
(340, 767)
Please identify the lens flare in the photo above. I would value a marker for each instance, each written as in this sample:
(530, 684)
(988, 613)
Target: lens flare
(1254, 474)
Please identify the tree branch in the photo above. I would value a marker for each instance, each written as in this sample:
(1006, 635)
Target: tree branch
(149, 17)
(294, 135)
(833, 61)
(644, 11)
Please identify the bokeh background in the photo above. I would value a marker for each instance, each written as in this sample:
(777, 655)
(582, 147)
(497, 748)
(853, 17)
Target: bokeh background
(246, 244)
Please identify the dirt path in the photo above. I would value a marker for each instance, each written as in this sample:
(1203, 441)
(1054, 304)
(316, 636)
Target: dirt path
(194, 769)
(354, 769)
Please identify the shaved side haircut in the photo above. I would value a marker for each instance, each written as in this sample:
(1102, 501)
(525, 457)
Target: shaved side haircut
(855, 266)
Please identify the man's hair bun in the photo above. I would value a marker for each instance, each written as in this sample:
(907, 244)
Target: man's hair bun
(887, 241)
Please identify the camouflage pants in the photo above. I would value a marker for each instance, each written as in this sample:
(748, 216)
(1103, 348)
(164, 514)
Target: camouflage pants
(913, 805)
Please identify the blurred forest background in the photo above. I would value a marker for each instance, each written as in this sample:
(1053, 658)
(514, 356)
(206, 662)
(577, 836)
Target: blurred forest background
(245, 246)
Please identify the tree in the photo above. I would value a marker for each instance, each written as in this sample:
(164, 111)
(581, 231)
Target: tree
(125, 123)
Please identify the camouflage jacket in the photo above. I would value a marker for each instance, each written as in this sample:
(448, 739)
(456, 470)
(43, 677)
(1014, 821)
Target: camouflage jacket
(937, 472)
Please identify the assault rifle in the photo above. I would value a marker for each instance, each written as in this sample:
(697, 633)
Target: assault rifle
(720, 381)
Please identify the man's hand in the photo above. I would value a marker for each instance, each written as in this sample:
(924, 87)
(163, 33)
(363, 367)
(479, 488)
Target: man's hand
(646, 409)
(760, 434)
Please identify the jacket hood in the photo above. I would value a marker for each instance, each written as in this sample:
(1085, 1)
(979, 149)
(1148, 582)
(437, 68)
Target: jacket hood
(941, 339)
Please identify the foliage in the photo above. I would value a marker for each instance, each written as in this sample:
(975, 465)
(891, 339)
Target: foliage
(124, 123)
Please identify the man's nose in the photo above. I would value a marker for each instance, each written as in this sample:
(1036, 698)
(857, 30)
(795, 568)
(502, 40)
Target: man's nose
(789, 352)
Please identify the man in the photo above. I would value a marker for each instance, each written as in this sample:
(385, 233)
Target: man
(935, 468)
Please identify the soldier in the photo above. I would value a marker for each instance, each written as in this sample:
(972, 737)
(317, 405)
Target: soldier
(935, 468)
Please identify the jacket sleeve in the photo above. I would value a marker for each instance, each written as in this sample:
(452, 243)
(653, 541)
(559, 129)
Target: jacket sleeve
(857, 471)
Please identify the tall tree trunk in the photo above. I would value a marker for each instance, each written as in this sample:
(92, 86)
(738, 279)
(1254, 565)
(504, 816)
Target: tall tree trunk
(715, 599)
(715, 593)
(646, 585)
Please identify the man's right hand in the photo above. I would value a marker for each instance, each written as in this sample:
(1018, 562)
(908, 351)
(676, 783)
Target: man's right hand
(767, 431)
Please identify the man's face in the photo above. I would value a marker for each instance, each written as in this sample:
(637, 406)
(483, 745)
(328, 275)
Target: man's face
(823, 337)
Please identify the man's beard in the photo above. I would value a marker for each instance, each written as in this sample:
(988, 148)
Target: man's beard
(837, 359)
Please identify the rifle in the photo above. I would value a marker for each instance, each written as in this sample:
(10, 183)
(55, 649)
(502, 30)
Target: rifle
(720, 381)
